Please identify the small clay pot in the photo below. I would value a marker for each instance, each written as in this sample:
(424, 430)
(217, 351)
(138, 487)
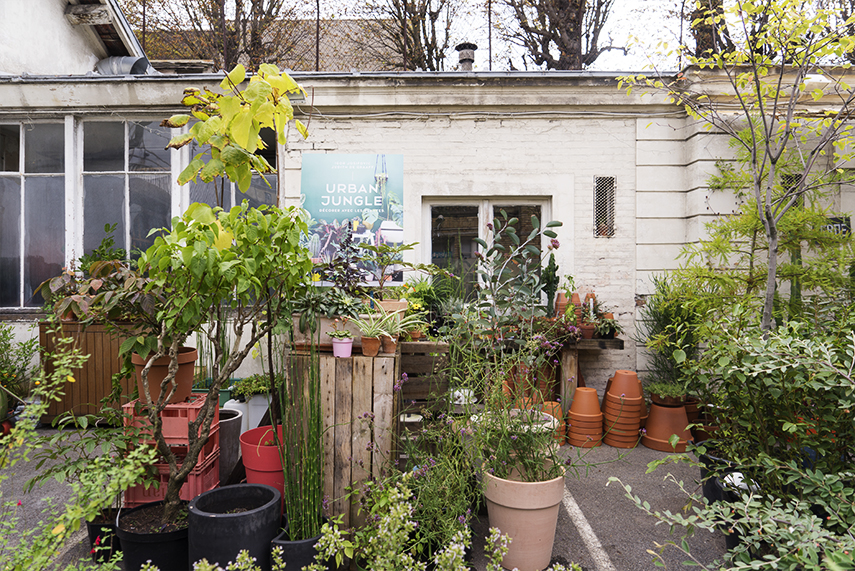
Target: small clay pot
(585, 401)
(370, 346)
(626, 383)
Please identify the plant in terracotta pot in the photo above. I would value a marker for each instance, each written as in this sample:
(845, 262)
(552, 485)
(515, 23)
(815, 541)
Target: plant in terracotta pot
(373, 327)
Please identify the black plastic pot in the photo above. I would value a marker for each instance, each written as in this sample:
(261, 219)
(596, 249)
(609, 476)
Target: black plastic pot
(167, 550)
(102, 536)
(225, 521)
(297, 554)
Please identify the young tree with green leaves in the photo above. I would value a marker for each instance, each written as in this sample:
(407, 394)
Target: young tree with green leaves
(789, 78)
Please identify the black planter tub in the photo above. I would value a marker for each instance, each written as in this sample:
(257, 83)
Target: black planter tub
(225, 521)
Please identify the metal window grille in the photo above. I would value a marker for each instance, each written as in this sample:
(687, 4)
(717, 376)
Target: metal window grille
(604, 206)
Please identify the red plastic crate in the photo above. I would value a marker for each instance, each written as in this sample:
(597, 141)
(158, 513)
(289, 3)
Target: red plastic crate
(206, 476)
(211, 446)
(176, 418)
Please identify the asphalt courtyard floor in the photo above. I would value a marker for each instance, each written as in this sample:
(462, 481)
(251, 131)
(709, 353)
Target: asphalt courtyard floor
(599, 528)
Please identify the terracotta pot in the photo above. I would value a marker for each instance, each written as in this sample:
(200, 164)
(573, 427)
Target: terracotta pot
(575, 417)
(625, 383)
(692, 408)
(597, 423)
(392, 305)
(588, 441)
(585, 401)
(576, 430)
(159, 369)
(370, 346)
(388, 344)
(663, 422)
(668, 400)
(528, 513)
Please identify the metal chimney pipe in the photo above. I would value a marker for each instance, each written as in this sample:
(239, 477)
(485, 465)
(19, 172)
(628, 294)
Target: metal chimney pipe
(467, 55)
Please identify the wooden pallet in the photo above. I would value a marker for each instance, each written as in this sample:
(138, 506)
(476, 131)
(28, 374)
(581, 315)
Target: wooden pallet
(353, 448)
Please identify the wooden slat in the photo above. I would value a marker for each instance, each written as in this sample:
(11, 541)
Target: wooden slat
(328, 392)
(423, 364)
(363, 377)
(384, 379)
(343, 420)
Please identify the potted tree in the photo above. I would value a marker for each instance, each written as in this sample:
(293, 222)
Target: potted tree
(215, 269)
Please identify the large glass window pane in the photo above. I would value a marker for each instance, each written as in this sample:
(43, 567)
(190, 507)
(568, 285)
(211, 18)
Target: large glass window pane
(44, 241)
(10, 148)
(44, 148)
(103, 203)
(208, 193)
(10, 235)
(103, 146)
(150, 207)
(259, 192)
(453, 247)
(147, 146)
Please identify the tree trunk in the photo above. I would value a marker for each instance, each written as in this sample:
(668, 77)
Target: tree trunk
(771, 275)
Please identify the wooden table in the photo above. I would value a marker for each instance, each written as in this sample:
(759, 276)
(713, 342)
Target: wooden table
(570, 364)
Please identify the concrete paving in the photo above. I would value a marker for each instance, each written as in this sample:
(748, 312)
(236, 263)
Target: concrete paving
(598, 527)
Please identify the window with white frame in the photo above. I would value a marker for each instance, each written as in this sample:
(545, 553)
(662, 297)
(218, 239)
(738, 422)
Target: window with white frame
(604, 206)
(32, 209)
(127, 181)
(262, 189)
(454, 226)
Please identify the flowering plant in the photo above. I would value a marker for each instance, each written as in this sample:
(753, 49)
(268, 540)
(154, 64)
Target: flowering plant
(337, 333)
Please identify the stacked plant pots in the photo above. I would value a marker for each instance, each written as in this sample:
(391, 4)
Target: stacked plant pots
(667, 418)
(623, 406)
(584, 419)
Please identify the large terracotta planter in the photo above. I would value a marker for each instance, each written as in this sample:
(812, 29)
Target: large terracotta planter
(160, 368)
(663, 422)
(528, 513)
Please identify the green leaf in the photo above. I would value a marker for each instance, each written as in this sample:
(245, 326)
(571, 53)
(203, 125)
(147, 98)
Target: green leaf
(211, 170)
(190, 171)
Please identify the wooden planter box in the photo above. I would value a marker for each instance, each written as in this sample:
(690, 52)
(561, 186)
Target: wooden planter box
(93, 380)
(350, 388)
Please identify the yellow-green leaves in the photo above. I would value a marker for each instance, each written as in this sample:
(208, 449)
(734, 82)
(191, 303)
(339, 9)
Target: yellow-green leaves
(234, 78)
(229, 124)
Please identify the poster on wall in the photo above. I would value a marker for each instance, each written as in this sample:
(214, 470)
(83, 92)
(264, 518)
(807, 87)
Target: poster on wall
(357, 193)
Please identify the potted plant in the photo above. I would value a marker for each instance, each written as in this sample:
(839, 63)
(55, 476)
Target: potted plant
(215, 269)
(373, 327)
(608, 328)
(342, 339)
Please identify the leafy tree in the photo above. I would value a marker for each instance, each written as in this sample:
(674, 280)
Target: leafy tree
(409, 34)
(560, 34)
(787, 77)
(228, 32)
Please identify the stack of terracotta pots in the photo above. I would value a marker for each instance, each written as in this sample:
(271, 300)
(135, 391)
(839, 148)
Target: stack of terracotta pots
(584, 419)
(623, 407)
